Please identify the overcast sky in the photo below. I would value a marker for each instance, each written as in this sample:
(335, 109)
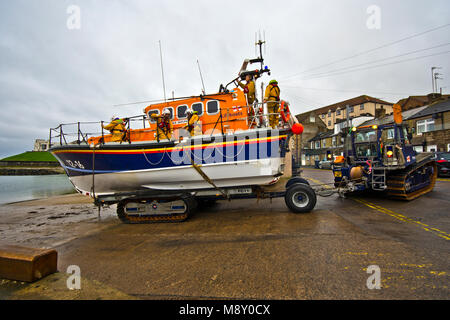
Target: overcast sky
(50, 74)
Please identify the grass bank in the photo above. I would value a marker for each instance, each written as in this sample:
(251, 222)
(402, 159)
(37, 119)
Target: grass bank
(32, 156)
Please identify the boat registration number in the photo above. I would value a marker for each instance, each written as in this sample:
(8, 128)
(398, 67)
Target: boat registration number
(241, 191)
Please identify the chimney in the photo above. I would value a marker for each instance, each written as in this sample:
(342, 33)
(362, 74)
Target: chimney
(432, 97)
(380, 113)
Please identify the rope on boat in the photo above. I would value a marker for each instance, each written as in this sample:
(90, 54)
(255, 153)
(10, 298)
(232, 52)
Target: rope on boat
(232, 157)
(154, 164)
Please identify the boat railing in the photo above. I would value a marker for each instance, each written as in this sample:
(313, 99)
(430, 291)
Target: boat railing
(80, 133)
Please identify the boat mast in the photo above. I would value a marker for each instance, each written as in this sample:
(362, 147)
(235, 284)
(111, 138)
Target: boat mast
(201, 77)
(162, 71)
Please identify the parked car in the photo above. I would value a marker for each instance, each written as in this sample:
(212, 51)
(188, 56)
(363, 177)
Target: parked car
(325, 164)
(443, 164)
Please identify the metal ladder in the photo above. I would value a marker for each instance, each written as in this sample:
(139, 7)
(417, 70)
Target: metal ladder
(379, 179)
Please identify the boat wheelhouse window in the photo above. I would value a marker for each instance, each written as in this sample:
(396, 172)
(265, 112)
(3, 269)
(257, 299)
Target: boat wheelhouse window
(181, 111)
(212, 107)
(154, 111)
(198, 106)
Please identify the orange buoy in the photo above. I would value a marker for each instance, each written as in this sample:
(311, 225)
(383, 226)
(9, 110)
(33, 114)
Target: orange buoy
(297, 128)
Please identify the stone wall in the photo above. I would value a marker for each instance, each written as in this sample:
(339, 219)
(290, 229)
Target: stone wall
(29, 164)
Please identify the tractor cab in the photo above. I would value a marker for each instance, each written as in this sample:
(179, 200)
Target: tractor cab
(371, 151)
(384, 146)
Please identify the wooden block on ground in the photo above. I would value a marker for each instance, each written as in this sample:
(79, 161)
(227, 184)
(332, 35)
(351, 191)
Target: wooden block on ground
(26, 264)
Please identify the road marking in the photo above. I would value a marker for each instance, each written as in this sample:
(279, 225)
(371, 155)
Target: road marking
(403, 218)
(319, 182)
(396, 215)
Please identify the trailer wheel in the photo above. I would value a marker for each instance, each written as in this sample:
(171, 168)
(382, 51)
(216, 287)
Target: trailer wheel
(300, 198)
(294, 180)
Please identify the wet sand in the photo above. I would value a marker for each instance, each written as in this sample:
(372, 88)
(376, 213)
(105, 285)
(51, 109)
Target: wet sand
(51, 222)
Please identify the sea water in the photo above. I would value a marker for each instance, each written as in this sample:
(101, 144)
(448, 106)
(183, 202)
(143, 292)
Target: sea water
(21, 188)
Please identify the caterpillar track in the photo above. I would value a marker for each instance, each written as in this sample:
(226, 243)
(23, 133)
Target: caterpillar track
(155, 210)
(412, 182)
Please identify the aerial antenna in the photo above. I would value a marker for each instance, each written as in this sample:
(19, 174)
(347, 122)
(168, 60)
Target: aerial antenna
(259, 42)
(162, 71)
(264, 36)
(201, 77)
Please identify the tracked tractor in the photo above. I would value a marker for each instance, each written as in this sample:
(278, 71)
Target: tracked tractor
(381, 158)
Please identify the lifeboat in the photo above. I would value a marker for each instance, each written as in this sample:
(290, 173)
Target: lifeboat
(230, 151)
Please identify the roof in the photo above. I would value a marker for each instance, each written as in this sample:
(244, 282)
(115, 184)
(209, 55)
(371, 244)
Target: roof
(438, 107)
(322, 135)
(408, 114)
(351, 102)
(420, 100)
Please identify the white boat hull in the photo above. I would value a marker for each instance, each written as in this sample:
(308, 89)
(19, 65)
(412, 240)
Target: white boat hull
(227, 174)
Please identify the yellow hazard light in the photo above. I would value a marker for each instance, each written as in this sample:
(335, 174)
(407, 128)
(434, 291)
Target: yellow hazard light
(389, 154)
(354, 129)
(374, 127)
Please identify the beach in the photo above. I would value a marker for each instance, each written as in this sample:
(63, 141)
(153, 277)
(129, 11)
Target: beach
(50, 222)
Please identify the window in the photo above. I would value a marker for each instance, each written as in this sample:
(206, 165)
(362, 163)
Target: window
(154, 111)
(361, 107)
(432, 148)
(312, 118)
(390, 133)
(425, 126)
(312, 144)
(418, 149)
(366, 150)
(352, 109)
(448, 147)
(323, 116)
(329, 113)
(333, 141)
(338, 112)
(181, 111)
(368, 136)
(212, 107)
(329, 122)
(318, 144)
(198, 106)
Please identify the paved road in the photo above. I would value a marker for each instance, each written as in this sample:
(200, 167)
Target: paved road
(248, 249)
(245, 249)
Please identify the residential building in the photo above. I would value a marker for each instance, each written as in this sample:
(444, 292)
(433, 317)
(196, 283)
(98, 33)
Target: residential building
(419, 101)
(359, 106)
(312, 125)
(430, 128)
(329, 142)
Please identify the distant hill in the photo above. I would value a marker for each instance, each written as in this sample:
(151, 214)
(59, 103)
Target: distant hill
(32, 156)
